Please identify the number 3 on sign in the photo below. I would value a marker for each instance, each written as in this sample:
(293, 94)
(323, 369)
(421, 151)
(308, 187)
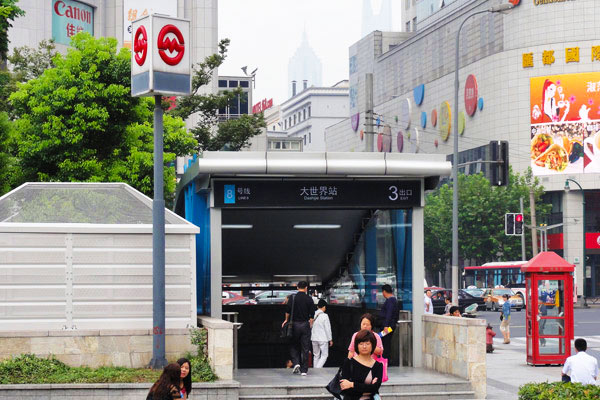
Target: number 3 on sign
(393, 193)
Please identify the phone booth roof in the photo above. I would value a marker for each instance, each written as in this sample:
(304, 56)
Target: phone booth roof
(547, 261)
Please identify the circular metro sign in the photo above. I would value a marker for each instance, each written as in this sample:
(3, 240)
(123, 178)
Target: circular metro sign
(514, 2)
(471, 95)
(170, 49)
(140, 45)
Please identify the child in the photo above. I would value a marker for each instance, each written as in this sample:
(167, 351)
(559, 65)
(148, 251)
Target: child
(489, 339)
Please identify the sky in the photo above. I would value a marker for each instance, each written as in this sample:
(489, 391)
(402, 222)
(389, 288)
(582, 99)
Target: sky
(265, 34)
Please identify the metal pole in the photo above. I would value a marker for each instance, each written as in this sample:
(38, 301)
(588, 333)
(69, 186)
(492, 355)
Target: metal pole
(583, 244)
(158, 245)
(534, 244)
(523, 257)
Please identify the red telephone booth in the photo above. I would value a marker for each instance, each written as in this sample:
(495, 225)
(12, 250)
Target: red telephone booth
(549, 319)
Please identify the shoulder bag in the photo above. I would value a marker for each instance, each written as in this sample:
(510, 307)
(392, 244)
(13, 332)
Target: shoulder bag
(287, 328)
(334, 387)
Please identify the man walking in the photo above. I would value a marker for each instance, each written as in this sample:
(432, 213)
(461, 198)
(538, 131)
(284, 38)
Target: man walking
(505, 316)
(428, 303)
(389, 317)
(582, 368)
(303, 311)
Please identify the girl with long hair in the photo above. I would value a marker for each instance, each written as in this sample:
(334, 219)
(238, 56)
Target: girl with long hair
(185, 384)
(167, 385)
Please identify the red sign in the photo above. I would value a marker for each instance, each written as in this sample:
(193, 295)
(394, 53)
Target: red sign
(514, 2)
(592, 240)
(175, 45)
(140, 45)
(262, 106)
(471, 95)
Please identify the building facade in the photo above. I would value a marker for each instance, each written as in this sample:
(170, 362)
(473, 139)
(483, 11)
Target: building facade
(529, 76)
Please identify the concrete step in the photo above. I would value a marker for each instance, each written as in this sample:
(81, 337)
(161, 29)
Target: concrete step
(386, 396)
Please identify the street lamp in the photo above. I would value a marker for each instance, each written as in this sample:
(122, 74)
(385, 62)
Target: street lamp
(495, 9)
(567, 189)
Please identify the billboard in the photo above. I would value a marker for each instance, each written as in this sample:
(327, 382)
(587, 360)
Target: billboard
(565, 120)
(135, 9)
(69, 18)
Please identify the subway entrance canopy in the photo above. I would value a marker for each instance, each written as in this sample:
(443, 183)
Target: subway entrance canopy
(322, 217)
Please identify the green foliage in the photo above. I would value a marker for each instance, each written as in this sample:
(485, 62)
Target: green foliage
(201, 370)
(481, 219)
(6, 160)
(558, 391)
(8, 12)
(79, 122)
(29, 63)
(230, 135)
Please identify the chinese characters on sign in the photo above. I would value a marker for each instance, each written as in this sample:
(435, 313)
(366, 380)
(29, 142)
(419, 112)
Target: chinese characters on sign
(595, 53)
(571, 56)
(262, 106)
(548, 57)
(527, 60)
(69, 18)
(136, 9)
(318, 192)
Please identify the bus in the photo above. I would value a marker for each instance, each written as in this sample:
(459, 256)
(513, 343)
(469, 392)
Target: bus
(497, 274)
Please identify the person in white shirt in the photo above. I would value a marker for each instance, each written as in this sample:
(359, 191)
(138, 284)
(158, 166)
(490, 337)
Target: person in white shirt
(582, 368)
(428, 303)
(321, 335)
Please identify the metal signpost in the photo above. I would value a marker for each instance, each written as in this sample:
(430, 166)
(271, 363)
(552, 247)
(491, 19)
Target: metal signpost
(160, 66)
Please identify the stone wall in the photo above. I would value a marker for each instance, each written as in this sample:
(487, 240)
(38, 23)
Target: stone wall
(220, 345)
(456, 346)
(221, 390)
(123, 348)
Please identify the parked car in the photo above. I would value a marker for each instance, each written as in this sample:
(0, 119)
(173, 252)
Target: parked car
(231, 298)
(494, 299)
(273, 296)
(464, 300)
(476, 292)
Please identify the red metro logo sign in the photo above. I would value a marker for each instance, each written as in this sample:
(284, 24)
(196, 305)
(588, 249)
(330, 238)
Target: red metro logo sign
(171, 47)
(140, 45)
(514, 2)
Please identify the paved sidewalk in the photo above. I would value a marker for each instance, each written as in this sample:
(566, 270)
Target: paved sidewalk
(507, 368)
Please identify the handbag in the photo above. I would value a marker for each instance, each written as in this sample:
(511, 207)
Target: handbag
(334, 387)
(383, 361)
(287, 328)
(501, 317)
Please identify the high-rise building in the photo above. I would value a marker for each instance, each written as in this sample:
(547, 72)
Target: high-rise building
(376, 16)
(304, 68)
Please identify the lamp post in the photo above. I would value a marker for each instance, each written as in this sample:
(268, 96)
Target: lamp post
(495, 9)
(567, 188)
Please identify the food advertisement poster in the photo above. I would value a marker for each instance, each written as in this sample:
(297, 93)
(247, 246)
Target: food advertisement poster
(565, 120)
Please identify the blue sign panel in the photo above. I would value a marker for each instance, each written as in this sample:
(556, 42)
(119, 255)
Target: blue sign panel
(229, 194)
(69, 18)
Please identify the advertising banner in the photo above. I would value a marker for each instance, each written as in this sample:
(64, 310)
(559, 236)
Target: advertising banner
(565, 120)
(69, 18)
(134, 9)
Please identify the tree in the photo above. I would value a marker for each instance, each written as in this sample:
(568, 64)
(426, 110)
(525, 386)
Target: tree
(481, 219)
(233, 134)
(29, 63)
(78, 122)
(8, 12)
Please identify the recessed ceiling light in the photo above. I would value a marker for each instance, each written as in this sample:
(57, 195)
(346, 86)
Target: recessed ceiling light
(238, 226)
(318, 226)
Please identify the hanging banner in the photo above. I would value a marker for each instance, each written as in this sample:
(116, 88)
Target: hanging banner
(565, 120)
(135, 9)
(69, 18)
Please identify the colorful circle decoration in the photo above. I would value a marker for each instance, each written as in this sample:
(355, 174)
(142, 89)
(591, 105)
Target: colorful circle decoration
(400, 141)
(480, 103)
(380, 142)
(445, 120)
(355, 119)
(405, 114)
(387, 139)
(433, 117)
(415, 142)
(362, 134)
(423, 119)
(471, 95)
(461, 122)
(419, 94)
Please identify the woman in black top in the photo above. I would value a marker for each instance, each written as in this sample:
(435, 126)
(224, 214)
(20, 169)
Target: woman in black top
(362, 374)
(167, 385)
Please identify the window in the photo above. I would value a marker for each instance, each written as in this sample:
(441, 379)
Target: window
(244, 83)
(305, 140)
(233, 83)
(274, 127)
(407, 26)
(294, 119)
(244, 103)
(304, 113)
(222, 83)
(308, 111)
(414, 24)
(234, 105)
(309, 138)
(295, 145)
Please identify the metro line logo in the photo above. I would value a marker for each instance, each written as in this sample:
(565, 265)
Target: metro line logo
(174, 45)
(514, 2)
(229, 194)
(140, 45)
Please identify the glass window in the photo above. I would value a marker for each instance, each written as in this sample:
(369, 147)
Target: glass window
(552, 346)
(309, 137)
(304, 113)
(233, 83)
(294, 119)
(305, 140)
(295, 145)
(244, 83)
(244, 103)
(308, 111)
(222, 83)
(234, 105)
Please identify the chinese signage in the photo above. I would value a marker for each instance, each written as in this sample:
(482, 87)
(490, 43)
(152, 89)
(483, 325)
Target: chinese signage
(565, 120)
(548, 56)
(262, 106)
(69, 18)
(135, 9)
(471, 95)
(540, 2)
(317, 193)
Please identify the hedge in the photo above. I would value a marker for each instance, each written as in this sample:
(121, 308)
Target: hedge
(558, 391)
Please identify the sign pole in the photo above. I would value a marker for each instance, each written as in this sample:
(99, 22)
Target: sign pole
(158, 245)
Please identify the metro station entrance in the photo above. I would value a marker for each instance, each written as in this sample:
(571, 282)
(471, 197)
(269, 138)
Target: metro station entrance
(346, 223)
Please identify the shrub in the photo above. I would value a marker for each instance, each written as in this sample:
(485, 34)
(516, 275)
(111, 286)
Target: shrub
(558, 391)
(201, 370)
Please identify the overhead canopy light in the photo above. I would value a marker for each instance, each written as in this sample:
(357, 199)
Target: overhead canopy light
(236, 226)
(318, 226)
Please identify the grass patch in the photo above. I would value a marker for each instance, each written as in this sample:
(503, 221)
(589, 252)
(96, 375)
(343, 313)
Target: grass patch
(30, 369)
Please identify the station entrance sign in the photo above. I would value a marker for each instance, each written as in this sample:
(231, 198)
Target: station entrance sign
(308, 193)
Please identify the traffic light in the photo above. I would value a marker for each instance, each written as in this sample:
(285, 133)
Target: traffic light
(518, 224)
(509, 224)
(498, 153)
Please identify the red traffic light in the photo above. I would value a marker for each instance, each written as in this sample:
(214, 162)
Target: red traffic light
(519, 217)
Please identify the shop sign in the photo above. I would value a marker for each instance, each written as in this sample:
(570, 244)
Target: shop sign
(262, 106)
(592, 240)
(471, 95)
(444, 120)
(565, 124)
(542, 2)
(69, 18)
(136, 9)
(385, 194)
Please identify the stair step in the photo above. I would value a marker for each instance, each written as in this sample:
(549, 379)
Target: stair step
(387, 396)
(386, 389)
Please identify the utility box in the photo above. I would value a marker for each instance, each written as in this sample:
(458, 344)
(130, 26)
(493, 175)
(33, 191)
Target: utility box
(549, 319)
(160, 56)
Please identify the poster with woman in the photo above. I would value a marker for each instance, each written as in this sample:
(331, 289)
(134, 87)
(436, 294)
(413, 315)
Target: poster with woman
(565, 120)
